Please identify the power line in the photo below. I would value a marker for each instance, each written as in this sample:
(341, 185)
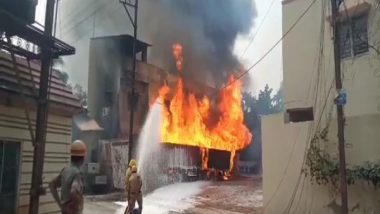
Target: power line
(103, 6)
(258, 28)
(316, 98)
(285, 171)
(79, 37)
(311, 126)
(78, 14)
(272, 48)
(317, 125)
(250, 68)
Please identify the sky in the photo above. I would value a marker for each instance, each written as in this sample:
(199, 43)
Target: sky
(268, 71)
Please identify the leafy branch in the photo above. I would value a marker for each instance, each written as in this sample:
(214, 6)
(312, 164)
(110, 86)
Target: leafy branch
(323, 169)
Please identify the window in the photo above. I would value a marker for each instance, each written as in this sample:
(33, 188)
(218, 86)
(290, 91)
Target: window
(353, 37)
(9, 170)
(299, 115)
(360, 35)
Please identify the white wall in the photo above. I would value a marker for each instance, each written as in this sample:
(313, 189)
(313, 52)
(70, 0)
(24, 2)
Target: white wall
(308, 69)
(308, 77)
(13, 127)
(283, 155)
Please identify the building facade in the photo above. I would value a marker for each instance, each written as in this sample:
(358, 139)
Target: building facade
(16, 149)
(309, 120)
(109, 87)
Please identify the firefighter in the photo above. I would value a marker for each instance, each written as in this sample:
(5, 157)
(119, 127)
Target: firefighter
(128, 174)
(70, 181)
(134, 188)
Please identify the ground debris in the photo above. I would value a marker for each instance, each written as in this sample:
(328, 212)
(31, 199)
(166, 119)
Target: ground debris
(231, 197)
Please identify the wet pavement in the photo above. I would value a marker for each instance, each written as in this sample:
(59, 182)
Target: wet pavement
(243, 195)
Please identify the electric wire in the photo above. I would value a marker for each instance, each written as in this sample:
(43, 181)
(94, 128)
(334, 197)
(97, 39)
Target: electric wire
(255, 64)
(272, 48)
(101, 7)
(89, 31)
(71, 18)
(316, 98)
(258, 29)
(285, 170)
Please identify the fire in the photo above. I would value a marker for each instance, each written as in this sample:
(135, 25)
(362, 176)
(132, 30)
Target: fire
(177, 52)
(185, 119)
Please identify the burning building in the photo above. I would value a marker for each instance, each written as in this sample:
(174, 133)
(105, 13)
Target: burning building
(209, 123)
(108, 100)
(198, 135)
(201, 127)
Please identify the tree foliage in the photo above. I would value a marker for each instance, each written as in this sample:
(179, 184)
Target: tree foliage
(254, 107)
(322, 169)
(64, 77)
(81, 94)
(77, 89)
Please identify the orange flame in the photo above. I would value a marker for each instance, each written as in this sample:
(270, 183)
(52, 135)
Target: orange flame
(184, 120)
(177, 52)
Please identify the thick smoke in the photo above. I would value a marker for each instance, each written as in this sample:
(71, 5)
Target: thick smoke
(206, 28)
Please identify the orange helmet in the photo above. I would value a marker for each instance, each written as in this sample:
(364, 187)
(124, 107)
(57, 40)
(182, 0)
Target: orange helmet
(78, 149)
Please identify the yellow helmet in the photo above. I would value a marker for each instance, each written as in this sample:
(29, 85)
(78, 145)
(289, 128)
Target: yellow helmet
(78, 149)
(134, 168)
(132, 163)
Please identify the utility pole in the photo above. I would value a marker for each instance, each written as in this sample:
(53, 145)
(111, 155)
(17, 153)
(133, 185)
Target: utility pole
(339, 105)
(42, 114)
(132, 98)
(55, 18)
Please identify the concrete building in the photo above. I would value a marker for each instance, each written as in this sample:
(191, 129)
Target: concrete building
(109, 89)
(16, 149)
(310, 115)
(109, 84)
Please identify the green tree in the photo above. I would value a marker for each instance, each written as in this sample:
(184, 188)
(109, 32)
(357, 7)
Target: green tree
(58, 63)
(81, 94)
(77, 89)
(278, 100)
(64, 77)
(254, 108)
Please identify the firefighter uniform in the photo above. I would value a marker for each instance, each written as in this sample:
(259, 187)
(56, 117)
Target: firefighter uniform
(70, 180)
(135, 194)
(71, 183)
(129, 173)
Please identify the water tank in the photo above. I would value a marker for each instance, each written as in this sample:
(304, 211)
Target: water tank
(22, 9)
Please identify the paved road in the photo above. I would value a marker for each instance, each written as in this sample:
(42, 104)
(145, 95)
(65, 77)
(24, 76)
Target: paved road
(232, 197)
(100, 207)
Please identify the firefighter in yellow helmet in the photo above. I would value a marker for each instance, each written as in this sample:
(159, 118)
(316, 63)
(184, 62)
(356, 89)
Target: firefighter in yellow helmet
(129, 173)
(70, 181)
(134, 188)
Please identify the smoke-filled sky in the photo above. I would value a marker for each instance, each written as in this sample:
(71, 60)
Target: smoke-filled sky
(208, 30)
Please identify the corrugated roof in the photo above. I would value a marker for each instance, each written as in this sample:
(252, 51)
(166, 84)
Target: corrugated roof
(85, 123)
(60, 93)
(90, 125)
